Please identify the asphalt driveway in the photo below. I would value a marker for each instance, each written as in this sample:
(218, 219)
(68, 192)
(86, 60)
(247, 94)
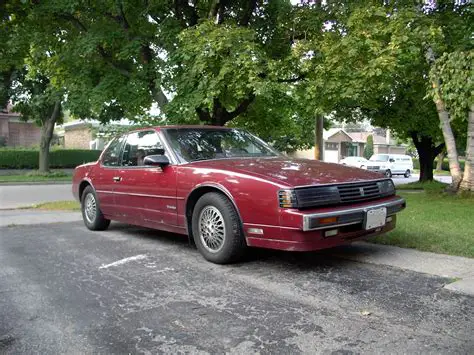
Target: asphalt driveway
(130, 290)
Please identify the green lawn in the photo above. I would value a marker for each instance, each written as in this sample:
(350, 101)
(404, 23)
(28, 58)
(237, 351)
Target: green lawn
(36, 177)
(59, 205)
(434, 222)
(435, 172)
(432, 186)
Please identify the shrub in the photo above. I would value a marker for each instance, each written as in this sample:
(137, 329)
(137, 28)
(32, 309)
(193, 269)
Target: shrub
(61, 158)
(445, 166)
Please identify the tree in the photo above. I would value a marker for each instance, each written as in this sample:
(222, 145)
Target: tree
(369, 147)
(453, 88)
(368, 65)
(37, 100)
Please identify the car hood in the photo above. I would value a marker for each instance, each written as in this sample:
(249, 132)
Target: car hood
(290, 172)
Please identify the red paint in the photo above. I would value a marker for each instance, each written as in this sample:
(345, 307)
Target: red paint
(156, 198)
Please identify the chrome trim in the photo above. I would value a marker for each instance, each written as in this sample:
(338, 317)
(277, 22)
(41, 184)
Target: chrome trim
(308, 217)
(342, 183)
(270, 226)
(140, 195)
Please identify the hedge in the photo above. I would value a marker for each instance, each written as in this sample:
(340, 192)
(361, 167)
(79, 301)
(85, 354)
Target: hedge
(445, 165)
(61, 158)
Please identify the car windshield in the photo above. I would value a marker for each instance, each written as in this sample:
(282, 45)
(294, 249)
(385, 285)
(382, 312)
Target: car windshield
(379, 157)
(192, 144)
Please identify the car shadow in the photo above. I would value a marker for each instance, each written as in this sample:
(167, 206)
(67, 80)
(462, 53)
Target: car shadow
(300, 260)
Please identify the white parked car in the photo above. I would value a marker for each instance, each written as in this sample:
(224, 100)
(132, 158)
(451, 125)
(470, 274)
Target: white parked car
(358, 162)
(391, 164)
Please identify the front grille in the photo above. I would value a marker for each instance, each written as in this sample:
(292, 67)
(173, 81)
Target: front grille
(359, 192)
(317, 196)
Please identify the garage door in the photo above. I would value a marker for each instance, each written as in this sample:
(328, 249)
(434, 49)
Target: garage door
(331, 156)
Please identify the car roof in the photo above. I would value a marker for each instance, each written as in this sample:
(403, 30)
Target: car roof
(190, 127)
(159, 128)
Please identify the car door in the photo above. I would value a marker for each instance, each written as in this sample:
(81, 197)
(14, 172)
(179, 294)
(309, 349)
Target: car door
(145, 193)
(105, 177)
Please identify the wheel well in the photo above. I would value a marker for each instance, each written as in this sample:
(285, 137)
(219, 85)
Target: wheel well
(191, 202)
(82, 187)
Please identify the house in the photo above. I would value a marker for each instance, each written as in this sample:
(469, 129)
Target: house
(339, 144)
(16, 133)
(87, 134)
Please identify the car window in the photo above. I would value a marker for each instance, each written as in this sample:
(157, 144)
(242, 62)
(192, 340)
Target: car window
(202, 144)
(111, 156)
(139, 145)
(379, 157)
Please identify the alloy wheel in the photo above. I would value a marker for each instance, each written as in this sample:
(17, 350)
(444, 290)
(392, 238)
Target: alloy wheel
(212, 229)
(90, 208)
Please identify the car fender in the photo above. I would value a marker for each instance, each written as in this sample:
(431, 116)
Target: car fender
(219, 187)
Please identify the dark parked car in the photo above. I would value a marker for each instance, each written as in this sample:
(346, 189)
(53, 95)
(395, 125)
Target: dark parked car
(228, 190)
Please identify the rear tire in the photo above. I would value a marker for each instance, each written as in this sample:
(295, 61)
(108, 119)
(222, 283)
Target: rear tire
(388, 173)
(217, 229)
(91, 213)
(407, 174)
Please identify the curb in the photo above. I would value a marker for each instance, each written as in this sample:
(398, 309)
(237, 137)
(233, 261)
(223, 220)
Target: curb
(458, 268)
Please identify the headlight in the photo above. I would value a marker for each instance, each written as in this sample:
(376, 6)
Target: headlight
(287, 199)
(386, 187)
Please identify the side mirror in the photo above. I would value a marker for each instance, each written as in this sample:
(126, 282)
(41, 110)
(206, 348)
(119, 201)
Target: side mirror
(392, 160)
(156, 160)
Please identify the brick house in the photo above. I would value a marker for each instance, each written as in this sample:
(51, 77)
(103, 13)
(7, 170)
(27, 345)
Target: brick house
(16, 133)
(77, 134)
(86, 134)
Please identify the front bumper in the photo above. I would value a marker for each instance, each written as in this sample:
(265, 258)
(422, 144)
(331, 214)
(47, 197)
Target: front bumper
(350, 215)
(298, 230)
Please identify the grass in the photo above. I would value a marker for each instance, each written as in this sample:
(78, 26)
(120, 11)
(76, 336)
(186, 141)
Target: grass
(59, 205)
(436, 222)
(430, 187)
(435, 172)
(36, 177)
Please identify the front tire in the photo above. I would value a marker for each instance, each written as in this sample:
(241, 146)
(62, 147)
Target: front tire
(91, 213)
(388, 173)
(407, 174)
(217, 229)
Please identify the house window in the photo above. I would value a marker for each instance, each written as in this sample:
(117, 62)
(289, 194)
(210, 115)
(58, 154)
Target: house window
(331, 146)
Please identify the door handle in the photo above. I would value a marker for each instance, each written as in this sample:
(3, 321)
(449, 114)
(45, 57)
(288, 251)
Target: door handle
(117, 178)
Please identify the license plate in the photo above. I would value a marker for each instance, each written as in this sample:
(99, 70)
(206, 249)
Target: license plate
(375, 218)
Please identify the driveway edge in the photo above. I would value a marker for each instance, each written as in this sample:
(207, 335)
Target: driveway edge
(458, 268)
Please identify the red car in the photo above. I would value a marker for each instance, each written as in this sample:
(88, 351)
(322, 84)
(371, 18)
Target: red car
(228, 190)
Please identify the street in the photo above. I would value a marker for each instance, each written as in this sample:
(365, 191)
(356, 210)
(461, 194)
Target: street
(398, 179)
(14, 196)
(132, 290)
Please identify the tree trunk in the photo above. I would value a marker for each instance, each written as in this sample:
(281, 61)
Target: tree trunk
(426, 165)
(467, 183)
(319, 141)
(46, 136)
(450, 144)
(439, 164)
(427, 151)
